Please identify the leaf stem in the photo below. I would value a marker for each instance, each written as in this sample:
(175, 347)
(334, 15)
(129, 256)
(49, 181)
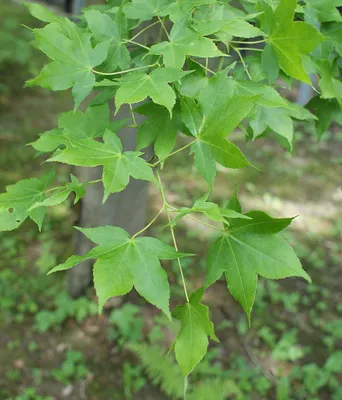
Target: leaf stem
(197, 220)
(137, 44)
(133, 116)
(145, 29)
(165, 206)
(164, 28)
(242, 60)
(252, 42)
(205, 68)
(124, 71)
(173, 153)
(248, 48)
(149, 224)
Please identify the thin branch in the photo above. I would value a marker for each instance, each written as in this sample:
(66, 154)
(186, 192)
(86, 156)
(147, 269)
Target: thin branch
(172, 154)
(149, 224)
(248, 48)
(124, 71)
(197, 220)
(145, 29)
(205, 68)
(242, 60)
(173, 235)
(137, 44)
(253, 42)
(135, 125)
(164, 28)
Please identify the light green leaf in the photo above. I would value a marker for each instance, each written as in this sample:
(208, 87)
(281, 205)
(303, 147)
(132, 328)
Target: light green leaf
(192, 339)
(292, 40)
(144, 10)
(117, 166)
(269, 97)
(158, 128)
(270, 64)
(222, 110)
(16, 203)
(123, 262)
(104, 28)
(260, 222)
(204, 161)
(184, 42)
(70, 67)
(191, 115)
(224, 152)
(136, 86)
(42, 13)
(61, 193)
(241, 255)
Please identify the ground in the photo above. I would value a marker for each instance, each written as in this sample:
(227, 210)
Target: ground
(54, 347)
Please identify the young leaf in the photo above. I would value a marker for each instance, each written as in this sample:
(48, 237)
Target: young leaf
(184, 42)
(204, 161)
(70, 67)
(224, 152)
(292, 40)
(117, 166)
(104, 28)
(61, 193)
(260, 222)
(123, 262)
(192, 340)
(222, 110)
(144, 10)
(77, 125)
(16, 204)
(136, 86)
(158, 128)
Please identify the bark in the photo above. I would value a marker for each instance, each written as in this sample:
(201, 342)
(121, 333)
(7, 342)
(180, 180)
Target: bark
(126, 209)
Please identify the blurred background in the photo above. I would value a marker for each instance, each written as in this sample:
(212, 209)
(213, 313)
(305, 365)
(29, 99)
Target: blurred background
(57, 347)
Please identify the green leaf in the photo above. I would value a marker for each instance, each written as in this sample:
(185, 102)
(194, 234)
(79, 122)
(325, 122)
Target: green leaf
(233, 203)
(204, 161)
(192, 340)
(191, 115)
(260, 222)
(104, 28)
(61, 193)
(124, 262)
(269, 97)
(117, 166)
(292, 40)
(144, 10)
(242, 255)
(136, 86)
(222, 110)
(209, 209)
(158, 128)
(225, 152)
(16, 203)
(70, 67)
(324, 11)
(77, 125)
(270, 64)
(277, 119)
(326, 110)
(42, 13)
(184, 42)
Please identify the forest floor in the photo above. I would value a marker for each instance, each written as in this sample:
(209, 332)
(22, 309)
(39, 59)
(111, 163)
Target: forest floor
(55, 347)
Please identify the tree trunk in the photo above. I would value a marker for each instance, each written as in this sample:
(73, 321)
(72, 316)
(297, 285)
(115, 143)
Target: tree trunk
(126, 209)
